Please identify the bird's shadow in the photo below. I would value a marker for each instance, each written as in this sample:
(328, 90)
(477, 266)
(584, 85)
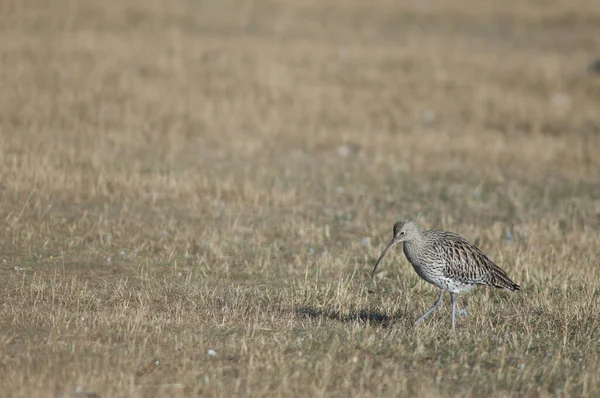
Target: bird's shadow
(373, 318)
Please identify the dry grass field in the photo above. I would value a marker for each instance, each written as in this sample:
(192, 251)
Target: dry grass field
(193, 194)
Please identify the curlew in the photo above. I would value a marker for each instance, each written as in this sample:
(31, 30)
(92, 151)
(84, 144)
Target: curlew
(448, 261)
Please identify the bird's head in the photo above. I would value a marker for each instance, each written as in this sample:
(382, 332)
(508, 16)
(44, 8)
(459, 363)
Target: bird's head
(403, 231)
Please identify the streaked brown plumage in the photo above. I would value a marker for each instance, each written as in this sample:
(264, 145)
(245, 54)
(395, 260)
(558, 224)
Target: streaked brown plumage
(448, 261)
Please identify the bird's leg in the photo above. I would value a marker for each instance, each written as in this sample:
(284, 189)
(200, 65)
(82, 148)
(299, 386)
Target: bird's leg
(429, 311)
(453, 299)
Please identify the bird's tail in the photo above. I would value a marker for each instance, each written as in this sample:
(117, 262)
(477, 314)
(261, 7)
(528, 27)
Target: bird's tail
(502, 281)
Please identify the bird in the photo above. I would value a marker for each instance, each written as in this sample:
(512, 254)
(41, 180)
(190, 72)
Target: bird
(447, 261)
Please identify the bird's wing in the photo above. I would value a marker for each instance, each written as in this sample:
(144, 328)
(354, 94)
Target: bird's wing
(466, 263)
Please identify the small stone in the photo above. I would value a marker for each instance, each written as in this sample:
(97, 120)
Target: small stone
(428, 116)
(401, 167)
(211, 353)
(344, 151)
(561, 100)
(81, 392)
(381, 275)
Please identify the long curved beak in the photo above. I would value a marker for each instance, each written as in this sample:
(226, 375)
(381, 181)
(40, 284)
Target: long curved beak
(388, 247)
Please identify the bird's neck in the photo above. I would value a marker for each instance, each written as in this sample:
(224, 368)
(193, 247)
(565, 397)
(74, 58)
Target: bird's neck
(417, 242)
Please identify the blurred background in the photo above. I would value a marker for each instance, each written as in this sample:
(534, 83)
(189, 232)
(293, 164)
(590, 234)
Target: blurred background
(276, 115)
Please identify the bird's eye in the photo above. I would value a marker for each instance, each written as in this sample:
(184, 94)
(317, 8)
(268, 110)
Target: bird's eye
(402, 232)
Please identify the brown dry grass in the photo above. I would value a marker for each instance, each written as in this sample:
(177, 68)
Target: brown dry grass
(178, 177)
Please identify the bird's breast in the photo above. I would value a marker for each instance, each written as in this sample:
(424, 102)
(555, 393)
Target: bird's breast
(429, 267)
